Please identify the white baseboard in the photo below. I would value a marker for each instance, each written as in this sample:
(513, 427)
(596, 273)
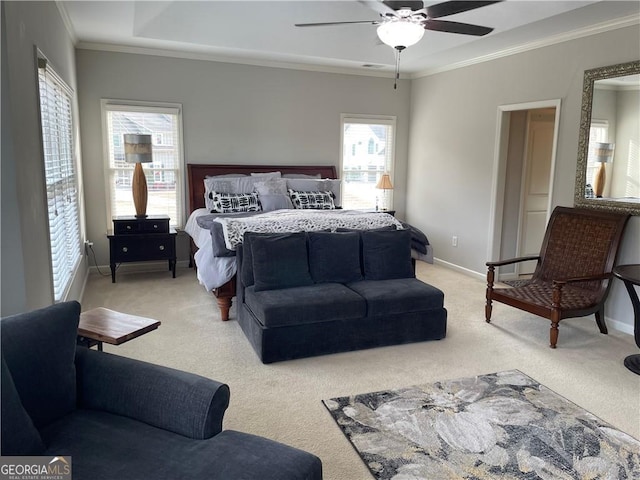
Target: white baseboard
(458, 268)
(614, 324)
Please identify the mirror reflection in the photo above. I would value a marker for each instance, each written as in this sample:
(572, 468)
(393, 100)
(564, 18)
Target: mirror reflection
(608, 171)
(613, 162)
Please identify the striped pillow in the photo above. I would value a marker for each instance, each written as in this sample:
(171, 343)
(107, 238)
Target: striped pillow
(233, 202)
(312, 200)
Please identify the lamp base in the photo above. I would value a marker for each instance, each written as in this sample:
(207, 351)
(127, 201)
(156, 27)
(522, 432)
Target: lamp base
(139, 190)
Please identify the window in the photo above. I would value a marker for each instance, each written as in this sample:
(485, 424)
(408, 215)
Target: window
(367, 152)
(164, 175)
(599, 132)
(56, 123)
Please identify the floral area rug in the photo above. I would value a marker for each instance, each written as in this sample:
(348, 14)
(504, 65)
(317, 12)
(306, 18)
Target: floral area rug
(502, 425)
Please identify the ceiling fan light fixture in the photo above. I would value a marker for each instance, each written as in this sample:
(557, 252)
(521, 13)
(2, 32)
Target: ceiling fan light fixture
(400, 33)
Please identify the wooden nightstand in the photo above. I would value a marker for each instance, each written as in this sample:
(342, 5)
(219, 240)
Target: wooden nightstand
(140, 240)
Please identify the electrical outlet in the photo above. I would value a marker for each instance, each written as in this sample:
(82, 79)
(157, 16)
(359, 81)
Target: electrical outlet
(454, 241)
(87, 246)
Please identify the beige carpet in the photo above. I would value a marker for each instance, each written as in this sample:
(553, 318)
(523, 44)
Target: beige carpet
(282, 401)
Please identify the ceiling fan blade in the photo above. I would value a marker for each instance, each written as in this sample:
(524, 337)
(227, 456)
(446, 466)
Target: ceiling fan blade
(325, 24)
(398, 4)
(456, 27)
(449, 8)
(379, 7)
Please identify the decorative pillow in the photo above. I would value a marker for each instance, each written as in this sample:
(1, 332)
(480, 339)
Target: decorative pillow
(334, 257)
(386, 254)
(273, 186)
(233, 202)
(275, 202)
(267, 175)
(312, 200)
(280, 261)
(300, 175)
(226, 175)
(317, 185)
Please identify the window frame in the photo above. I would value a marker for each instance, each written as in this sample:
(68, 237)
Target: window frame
(66, 140)
(363, 119)
(114, 105)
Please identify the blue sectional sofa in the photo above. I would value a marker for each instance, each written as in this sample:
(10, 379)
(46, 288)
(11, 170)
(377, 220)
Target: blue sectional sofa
(314, 293)
(120, 418)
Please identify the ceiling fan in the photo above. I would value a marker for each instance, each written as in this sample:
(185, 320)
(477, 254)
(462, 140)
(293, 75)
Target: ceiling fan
(403, 22)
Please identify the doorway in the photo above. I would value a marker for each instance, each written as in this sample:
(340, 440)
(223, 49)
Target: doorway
(522, 182)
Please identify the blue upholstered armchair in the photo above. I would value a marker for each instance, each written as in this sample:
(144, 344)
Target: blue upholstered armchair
(120, 418)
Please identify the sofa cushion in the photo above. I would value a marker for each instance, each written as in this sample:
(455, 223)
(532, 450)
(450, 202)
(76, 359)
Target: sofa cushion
(334, 257)
(386, 254)
(39, 348)
(280, 261)
(404, 295)
(293, 306)
(106, 446)
(19, 436)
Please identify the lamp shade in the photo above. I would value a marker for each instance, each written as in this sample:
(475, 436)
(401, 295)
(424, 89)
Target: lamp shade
(603, 152)
(137, 148)
(400, 33)
(385, 182)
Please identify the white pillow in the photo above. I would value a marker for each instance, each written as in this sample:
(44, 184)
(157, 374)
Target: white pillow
(317, 185)
(233, 202)
(273, 186)
(312, 200)
(267, 175)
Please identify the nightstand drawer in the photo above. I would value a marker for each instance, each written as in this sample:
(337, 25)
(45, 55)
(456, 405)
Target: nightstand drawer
(139, 248)
(125, 227)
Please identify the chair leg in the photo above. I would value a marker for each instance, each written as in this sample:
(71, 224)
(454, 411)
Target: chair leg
(601, 322)
(553, 335)
(488, 307)
(556, 301)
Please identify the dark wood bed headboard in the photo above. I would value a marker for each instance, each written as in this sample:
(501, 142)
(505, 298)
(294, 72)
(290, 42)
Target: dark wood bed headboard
(197, 172)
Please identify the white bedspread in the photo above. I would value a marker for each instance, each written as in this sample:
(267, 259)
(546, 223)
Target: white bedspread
(302, 221)
(213, 272)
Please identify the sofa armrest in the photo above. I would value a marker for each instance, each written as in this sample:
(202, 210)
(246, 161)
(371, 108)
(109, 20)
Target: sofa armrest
(170, 399)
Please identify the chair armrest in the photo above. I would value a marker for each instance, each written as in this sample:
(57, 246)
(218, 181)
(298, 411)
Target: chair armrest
(170, 399)
(500, 263)
(590, 278)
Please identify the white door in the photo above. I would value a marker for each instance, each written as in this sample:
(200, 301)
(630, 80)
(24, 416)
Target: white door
(535, 186)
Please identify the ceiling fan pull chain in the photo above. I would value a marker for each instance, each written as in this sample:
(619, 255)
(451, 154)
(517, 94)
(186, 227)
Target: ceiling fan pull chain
(397, 76)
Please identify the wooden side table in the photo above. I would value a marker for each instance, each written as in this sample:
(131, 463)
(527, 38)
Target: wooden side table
(104, 325)
(630, 275)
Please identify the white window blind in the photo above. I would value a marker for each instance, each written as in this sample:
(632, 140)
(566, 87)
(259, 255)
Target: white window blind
(61, 179)
(164, 175)
(368, 145)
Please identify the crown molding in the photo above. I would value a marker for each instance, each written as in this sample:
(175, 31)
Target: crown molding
(609, 25)
(212, 57)
(67, 21)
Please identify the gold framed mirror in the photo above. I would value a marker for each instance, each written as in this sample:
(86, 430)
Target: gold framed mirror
(608, 167)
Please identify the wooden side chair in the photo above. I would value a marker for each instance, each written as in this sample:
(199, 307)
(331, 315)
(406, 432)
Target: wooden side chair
(572, 276)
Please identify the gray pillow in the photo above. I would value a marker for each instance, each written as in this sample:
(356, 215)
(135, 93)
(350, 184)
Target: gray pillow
(334, 257)
(300, 175)
(386, 255)
(272, 186)
(280, 261)
(275, 202)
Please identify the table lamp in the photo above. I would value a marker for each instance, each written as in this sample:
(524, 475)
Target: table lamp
(603, 153)
(137, 149)
(384, 184)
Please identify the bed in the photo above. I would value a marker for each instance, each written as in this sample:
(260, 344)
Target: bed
(215, 270)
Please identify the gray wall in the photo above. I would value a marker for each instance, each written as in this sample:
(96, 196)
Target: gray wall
(452, 144)
(26, 271)
(233, 114)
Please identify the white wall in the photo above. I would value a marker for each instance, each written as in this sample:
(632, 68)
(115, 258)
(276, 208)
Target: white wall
(452, 144)
(233, 114)
(26, 270)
